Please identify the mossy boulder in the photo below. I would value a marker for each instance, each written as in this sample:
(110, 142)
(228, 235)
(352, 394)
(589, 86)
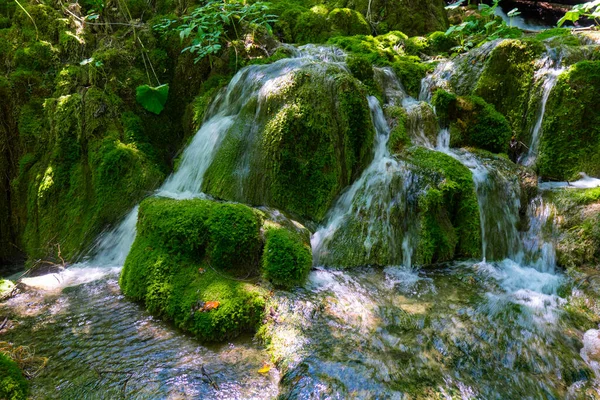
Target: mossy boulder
(571, 129)
(577, 213)
(421, 208)
(507, 79)
(473, 122)
(298, 147)
(13, 385)
(194, 262)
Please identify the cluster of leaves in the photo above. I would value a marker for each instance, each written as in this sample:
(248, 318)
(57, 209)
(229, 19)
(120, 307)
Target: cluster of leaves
(207, 25)
(488, 27)
(590, 10)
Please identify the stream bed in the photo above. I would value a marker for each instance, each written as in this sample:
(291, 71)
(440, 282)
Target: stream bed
(102, 346)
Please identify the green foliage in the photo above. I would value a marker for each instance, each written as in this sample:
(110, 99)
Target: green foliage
(483, 28)
(287, 259)
(550, 33)
(207, 25)
(13, 385)
(590, 10)
(152, 99)
(571, 126)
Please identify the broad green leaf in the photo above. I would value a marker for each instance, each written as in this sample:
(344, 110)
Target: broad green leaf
(152, 99)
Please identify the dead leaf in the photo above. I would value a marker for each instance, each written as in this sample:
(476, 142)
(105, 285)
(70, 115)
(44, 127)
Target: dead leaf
(210, 305)
(265, 368)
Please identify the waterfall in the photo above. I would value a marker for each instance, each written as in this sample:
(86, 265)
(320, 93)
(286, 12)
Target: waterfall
(251, 84)
(548, 76)
(372, 205)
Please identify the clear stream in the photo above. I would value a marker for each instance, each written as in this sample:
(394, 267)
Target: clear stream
(470, 330)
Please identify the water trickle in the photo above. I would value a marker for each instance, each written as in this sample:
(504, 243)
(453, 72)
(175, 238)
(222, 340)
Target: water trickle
(366, 200)
(547, 76)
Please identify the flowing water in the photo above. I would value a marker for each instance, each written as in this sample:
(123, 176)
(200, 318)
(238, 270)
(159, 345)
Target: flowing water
(486, 329)
(547, 77)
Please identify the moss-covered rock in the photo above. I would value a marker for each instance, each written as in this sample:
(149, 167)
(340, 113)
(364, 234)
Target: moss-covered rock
(193, 262)
(448, 209)
(578, 217)
(473, 122)
(571, 130)
(421, 209)
(287, 258)
(297, 148)
(13, 385)
(507, 79)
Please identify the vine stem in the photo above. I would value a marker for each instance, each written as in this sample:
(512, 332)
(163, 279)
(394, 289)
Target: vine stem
(37, 33)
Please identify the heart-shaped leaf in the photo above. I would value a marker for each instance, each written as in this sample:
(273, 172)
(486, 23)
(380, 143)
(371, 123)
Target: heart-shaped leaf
(152, 99)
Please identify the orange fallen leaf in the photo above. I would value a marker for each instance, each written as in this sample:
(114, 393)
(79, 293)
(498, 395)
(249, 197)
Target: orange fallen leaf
(210, 305)
(201, 270)
(265, 368)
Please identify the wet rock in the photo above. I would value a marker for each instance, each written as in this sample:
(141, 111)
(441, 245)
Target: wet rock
(591, 346)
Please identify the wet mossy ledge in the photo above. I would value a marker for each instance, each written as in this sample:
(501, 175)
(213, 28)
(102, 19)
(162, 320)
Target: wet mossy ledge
(205, 265)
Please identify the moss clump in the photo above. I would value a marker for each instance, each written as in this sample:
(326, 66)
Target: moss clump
(184, 255)
(571, 130)
(13, 385)
(347, 22)
(412, 17)
(399, 138)
(507, 80)
(411, 72)
(473, 122)
(234, 237)
(193, 260)
(448, 209)
(287, 259)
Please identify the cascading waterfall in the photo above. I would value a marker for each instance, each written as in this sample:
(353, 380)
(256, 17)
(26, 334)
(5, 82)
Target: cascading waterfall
(253, 83)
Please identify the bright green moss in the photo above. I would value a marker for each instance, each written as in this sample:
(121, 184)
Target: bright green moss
(448, 210)
(312, 26)
(411, 72)
(399, 138)
(235, 238)
(507, 80)
(551, 33)
(348, 22)
(473, 122)
(13, 385)
(39, 56)
(177, 286)
(189, 252)
(571, 131)
(439, 42)
(287, 259)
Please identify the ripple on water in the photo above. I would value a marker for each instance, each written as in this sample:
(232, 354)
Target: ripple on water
(102, 346)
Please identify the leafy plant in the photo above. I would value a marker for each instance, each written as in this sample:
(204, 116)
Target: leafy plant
(590, 10)
(488, 27)
(206, 25)
(152, 99)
